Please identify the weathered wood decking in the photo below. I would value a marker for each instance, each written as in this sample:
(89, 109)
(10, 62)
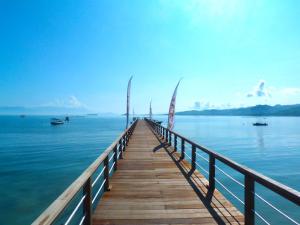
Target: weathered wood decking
(152, 186)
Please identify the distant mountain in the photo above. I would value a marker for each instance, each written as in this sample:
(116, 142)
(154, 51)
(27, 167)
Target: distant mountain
(43, 110)
(258, 110)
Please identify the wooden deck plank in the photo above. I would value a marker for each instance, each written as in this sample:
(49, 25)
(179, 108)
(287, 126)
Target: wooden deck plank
(149, 188)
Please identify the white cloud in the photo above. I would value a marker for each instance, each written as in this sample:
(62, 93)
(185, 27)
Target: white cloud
(71, 102)
(260, 90)
(290, 91)
(208, 105)
(197, 105)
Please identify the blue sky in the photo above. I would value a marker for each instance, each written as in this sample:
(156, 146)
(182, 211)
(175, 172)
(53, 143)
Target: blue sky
(81, 53)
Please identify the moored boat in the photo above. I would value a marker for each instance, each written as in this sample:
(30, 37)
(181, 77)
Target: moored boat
(260, 124)
(56, 121)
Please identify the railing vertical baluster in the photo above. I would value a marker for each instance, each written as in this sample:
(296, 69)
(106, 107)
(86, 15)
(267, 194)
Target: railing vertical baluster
(116, 158)
(87, 205)
(249, 200)
(182, 148)
(193, 157)
(175, 142)
(170, 138)
(106, 173)
(212, 172)
(124, 144)
(167, 134)
(120, 149)
(127, 138)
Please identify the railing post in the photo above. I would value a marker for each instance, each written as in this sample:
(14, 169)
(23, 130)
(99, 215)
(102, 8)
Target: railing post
(127, 138)
(124, 144)
(87, 191)
(116, 158)
(167, 134)
(120, 149)
(106, 173)
(249, 200)
(212, 172)
(182, 149)
(170, 138)
(175, 142)
(193, 157)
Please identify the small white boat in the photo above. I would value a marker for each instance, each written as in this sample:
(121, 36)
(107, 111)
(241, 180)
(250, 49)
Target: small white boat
(56, 121)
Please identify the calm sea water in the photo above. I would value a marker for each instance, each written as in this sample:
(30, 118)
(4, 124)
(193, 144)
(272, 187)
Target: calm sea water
(273, 151)
(38, 161)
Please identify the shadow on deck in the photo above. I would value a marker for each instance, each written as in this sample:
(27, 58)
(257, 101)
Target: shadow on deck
(153, 185)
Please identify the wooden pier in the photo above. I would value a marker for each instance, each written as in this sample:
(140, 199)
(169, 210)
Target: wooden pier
(150, 188)
(147, 177)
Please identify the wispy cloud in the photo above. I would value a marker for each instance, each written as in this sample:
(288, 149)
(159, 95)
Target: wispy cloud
(259, 90)
(74, 102)
(71, 102)
(208, 105)
(197, 105)
(290, 91)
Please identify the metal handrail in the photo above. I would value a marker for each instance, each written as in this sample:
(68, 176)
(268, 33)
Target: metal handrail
(84, 181)
(250, 176)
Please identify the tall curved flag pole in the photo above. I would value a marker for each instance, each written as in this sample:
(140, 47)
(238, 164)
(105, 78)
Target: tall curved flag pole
(128, 102)
(150, 111)
(172, 108)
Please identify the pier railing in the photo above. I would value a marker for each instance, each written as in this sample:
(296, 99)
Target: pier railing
(86, 189)
(250, 177)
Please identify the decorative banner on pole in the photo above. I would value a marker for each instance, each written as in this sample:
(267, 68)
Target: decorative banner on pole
(128, 101)
(172, 109)
(150, 112)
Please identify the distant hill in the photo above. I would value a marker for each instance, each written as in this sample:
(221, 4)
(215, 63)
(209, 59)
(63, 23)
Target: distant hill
(258, 110)
(17, 110)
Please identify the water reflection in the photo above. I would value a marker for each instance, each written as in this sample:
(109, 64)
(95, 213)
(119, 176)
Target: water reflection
(260, 137)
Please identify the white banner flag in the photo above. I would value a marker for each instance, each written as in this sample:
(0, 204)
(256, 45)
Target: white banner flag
(172, 109)
(150, 112)
(128, 101)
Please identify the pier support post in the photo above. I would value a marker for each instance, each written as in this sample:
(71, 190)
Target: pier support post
(127, 138)
(123, 143)
(106, 173)
(116, 158)
(182, 149)
(249, 200)
(120, 149)
(212, 173)
(167, 134)
(193, 157)
(87, 190)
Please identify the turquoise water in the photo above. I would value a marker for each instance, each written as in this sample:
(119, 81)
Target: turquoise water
(38, 161)
(273, 151)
